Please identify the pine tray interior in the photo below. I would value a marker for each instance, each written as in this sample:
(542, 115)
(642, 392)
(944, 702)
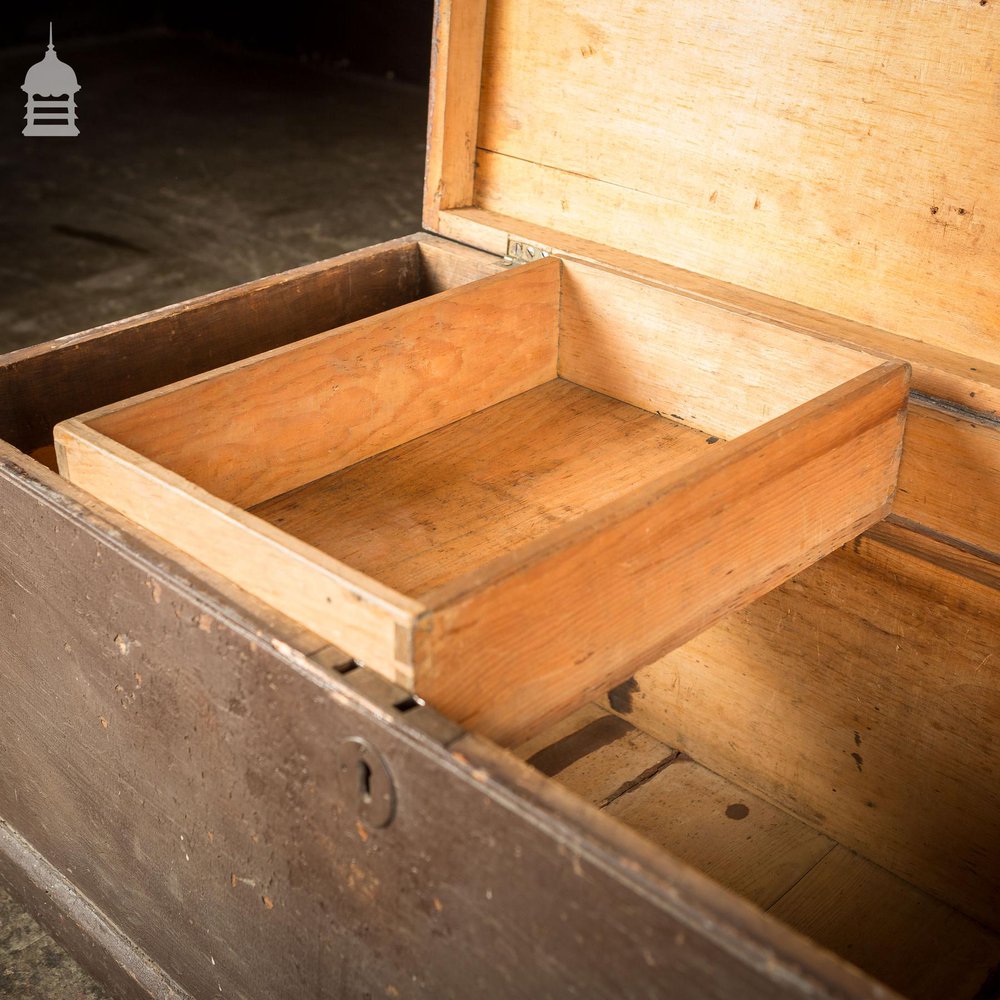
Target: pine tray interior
(508, 496)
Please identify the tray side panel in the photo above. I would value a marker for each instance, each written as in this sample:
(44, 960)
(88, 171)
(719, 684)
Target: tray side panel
(262, 427)
(953, 421)
(721, 371)
(873, 683)
(343, 606)
(41, 385)
(573, 620)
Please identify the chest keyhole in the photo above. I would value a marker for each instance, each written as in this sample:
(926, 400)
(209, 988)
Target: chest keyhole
(364, 781)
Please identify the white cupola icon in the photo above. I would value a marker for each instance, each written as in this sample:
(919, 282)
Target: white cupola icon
(51, 87)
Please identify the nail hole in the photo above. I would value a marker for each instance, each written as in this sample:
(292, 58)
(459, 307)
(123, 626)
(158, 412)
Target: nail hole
(934, 210)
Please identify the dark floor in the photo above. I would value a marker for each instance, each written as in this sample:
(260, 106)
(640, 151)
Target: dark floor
(196, 168)
(33, 966)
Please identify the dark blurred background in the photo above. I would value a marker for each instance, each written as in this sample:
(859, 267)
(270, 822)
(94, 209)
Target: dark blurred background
(216, 145)
(378, 37)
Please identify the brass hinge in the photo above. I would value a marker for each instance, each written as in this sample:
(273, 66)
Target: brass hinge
(519, 252)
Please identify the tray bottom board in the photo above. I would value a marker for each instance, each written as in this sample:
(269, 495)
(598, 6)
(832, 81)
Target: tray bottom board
(889, 928)
(446, 503)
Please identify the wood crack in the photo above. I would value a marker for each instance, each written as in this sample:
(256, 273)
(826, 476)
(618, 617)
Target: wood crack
(644, 776)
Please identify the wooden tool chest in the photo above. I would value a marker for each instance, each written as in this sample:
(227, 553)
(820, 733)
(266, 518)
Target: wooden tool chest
(596, 595)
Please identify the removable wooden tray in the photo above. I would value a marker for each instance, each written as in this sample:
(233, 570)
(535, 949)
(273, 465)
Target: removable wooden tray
(508, 496)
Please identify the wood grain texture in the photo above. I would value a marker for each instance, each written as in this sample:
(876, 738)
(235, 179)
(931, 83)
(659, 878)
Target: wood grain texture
(453, 112)
(847, 159)
(46, 383)
(714, 536)
(892, 930)
(873, 683)
(286, 417)
(446, 265)
(952, 427)
(946, 375)
(340, 604)
(899, 935)
(941, 550)
(218, 762)
(595, 754)
(448, 503)
(512, 516)
(719, 370)
(743, 842)
(950, 475)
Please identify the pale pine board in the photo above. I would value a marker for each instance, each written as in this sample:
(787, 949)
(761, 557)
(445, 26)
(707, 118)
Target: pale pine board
(713, 537)
(873, 683)
(453, 112)
(896, 933)
(893, 931)
(595, 754)
(952, 433)
(703, 364)
(447, 503)
(846, 158)
(260, 427)
(949, 477)
(746, 844)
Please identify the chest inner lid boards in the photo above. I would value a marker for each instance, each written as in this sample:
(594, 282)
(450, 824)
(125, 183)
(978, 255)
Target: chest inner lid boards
(510, 495)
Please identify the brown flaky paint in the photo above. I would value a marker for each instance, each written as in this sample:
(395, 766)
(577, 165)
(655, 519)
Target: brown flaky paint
(206, 823)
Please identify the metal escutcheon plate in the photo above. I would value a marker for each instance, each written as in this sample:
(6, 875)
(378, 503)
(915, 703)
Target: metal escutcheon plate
(365, 782)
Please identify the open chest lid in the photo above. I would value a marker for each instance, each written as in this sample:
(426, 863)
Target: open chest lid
(845, 158)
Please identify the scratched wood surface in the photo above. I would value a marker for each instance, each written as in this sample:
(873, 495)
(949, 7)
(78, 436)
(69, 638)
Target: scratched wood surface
(873, 684)
(595, 754)
(902, 936)
(743, 842)
(170, 801)
(920, 946)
